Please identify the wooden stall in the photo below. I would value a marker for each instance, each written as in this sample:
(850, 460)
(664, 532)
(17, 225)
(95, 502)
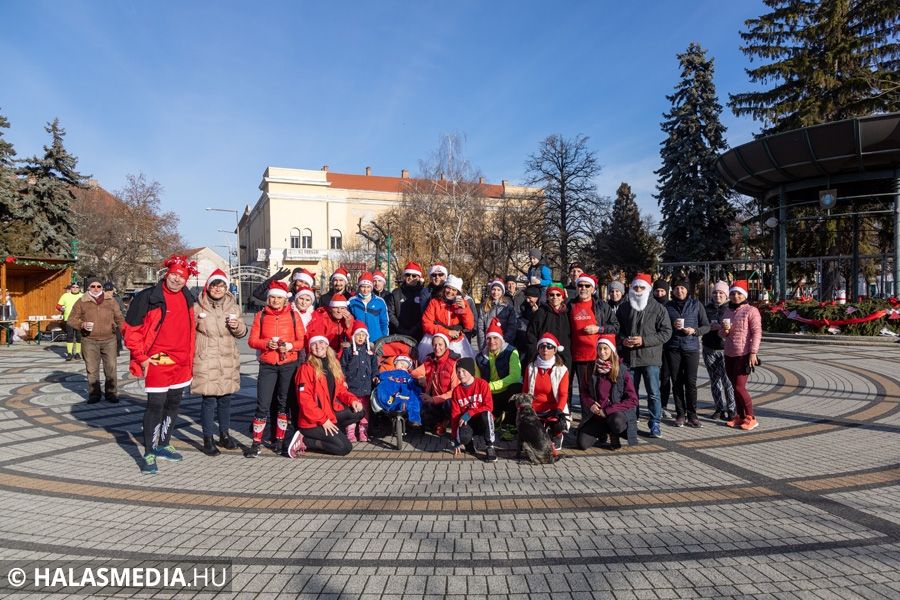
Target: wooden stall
(34, 285)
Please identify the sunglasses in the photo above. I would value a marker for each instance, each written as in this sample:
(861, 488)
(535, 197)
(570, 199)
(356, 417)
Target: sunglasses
(437, 275)
(585, 285)
(546, 346)
(410, 276)
(554, 295)
(95, 287)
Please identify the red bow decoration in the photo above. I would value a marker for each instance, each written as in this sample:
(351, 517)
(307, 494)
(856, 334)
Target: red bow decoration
(10, 259)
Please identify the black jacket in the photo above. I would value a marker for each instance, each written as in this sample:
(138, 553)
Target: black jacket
(547, 321)
(405, 311)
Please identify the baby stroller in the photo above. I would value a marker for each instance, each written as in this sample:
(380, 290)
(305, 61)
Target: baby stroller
(387, 349)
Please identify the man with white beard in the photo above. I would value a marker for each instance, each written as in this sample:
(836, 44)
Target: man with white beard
(643, 329)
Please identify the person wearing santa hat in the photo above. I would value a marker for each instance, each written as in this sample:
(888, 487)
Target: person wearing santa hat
(277, 335)
(451, 315)
(304, 305)
(405, 305)
(369, 308)
(437, 377)
(335, 322)
(379, 285)
(547, 380)
(301, 279)
(499, 365)
(340, 284)
(714, 355)
(327, 407)
(644, 327)
(495, 306)
(553, 318)
(607, 408)
(217, 360)
(160, 333)
(742, 332)
(360, 367)
(589, 317)
(437, 276)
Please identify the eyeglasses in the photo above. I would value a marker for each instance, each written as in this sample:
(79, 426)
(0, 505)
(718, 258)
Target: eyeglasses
(585, 285)
(433, 275)
(95, 287)
(217, 284)
(554, 295)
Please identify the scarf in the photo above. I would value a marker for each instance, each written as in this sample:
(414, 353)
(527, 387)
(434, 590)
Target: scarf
(545, 364)
(97, 296)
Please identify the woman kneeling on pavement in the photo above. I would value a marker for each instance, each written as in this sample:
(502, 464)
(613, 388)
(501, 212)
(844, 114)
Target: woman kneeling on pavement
(217, 361)
(613, 396)
(327, 407)
(277, 335)
(547, 380)
(437, 378)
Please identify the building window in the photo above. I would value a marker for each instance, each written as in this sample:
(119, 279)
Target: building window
(337, 240)
(295, 238)
(306, 240)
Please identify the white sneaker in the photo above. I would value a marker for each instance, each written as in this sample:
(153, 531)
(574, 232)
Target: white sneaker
(296, 446)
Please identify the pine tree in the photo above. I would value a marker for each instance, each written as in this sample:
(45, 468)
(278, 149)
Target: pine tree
(695, 203)
(9, 195)
(625, 243)
(825, 61)
(47, 196)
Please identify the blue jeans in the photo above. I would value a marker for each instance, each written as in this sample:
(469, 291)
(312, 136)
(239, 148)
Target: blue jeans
(212, 408)
(650, 375)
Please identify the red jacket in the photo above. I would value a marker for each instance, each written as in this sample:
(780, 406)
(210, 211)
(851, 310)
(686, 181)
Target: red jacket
(284, 323)
(337, 332)
(439, 374)
(440, 317)
(550, 387)
(472, 400)
(312, 397)
(143, 321)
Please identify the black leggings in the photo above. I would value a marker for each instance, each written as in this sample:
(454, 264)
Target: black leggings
(73, 335)
(337, 444)
(683, 371)
(274, 381)
(481, 424)
(504, 410)
(159, 418)
(596, 427)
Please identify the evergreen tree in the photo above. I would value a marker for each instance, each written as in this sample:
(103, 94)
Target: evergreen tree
(47, 196)
(9, 195)
(625, 243)
(695, 203)
(825, 61)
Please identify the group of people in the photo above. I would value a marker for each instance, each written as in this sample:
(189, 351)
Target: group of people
(320, 379)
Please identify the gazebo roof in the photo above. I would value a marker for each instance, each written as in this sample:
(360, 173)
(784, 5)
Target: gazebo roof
(845, 150)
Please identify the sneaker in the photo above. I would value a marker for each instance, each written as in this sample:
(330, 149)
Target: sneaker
(112, 399)
(278, 446)
(726, 415)
(558, 442)
(69, 357)
(148, 467)
(655, 431)
(749, 424)
(666, 414)
(297, 446)
(679, 421)
(168, 453)
(716, 415)
(694, 422)
(93, 400)
(735, 421)
(77, 356)
(470, 448)
(490, 455)
(615, 442)
(363, 435)
(252, 451)
(350, 432)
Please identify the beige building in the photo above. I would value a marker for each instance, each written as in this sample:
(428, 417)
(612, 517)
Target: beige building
(308, 218)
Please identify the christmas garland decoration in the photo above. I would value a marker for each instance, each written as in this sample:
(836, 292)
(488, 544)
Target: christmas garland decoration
(25, 262)
(792, 317)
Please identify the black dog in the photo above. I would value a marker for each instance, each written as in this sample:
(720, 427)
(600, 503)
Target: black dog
(533, 440)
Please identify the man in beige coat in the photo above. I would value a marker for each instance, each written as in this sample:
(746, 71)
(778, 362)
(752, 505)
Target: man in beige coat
(217, 362)
(98, 319)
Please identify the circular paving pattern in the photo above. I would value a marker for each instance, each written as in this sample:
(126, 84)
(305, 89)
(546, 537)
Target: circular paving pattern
(808, 504)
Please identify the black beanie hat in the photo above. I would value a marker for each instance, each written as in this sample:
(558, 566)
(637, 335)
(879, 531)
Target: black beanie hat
(681, 281)
(467, 363)
(533, 291)
(661, 284)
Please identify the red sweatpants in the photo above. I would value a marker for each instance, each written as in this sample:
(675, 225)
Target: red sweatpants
(736, 369)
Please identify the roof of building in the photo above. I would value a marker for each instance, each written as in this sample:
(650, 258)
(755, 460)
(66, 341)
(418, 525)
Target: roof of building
(379, 183)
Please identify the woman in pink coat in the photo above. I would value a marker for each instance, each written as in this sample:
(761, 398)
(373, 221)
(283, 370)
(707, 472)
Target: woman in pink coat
(742, 331)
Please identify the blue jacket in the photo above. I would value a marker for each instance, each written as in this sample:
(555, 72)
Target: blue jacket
(359, 370)
(398, 390)
(374, 315)
(694, 316)
(542, 272)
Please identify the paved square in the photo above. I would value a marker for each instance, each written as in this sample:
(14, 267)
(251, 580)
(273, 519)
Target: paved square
(805, 506)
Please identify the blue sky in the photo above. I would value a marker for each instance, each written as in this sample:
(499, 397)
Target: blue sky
(202, 96)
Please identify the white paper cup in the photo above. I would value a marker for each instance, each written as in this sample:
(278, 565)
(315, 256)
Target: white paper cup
(275, 338)
(231, 316)
(88, 326)
(679, 323)
(726, 323)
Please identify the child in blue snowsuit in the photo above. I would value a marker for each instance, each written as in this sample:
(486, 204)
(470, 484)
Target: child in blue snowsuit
(397, 391)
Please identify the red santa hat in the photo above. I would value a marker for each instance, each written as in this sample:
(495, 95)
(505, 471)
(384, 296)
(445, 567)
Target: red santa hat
(607, 339)
(217, 275)
(180, 265)
(494, 329)
(365, 278)
(642, 279)
(340, 273)
(412, 268)
(740, 285)
(308, 293)
(438, 268)
(549, 338)
(278, 288)
(338, 301)
(443, 337)
(585, 278)
(305, 276)
(316, 333)
(378, 276)
(359, 326)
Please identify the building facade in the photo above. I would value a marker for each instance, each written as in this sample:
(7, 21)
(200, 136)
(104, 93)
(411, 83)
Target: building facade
(310, 218)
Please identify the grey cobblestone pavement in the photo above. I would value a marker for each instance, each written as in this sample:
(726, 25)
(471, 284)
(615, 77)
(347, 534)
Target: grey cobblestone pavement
(806, 506)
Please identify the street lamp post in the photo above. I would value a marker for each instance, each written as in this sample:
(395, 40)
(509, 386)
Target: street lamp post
(237, 246)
